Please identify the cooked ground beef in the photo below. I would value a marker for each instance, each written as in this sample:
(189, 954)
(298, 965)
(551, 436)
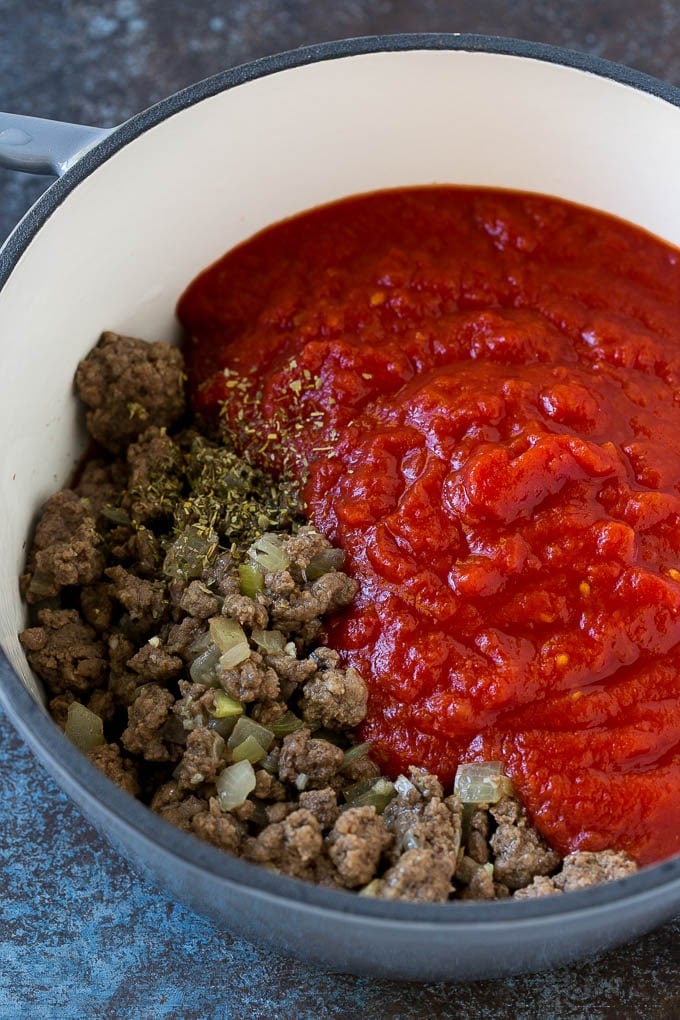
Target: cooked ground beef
(128, 385)
(65, 652)
(133, 574)
(356, 843)
(66, 549)
(335, 699)
(219, 828)
(120, 770)
(308, 763)
(420, 876)
(519, 851)
(290, 846)
(147, 716)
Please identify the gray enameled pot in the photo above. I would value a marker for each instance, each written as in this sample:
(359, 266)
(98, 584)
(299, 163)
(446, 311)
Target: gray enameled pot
(139, 210)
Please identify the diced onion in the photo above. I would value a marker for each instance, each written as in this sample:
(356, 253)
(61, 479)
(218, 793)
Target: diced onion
(404, 786)
(248, 750)
(235, 656)
(267, 554)
(226, 633)
(378, 795)
(115, 514)
(225, 707)
(234, 784)
(324, 562)
(251, 580)
(223, 726)
(285, 724)
(371, 889)
(271, 642)
(355, 790)
(190, 553)
(203, 670)
(481, 783)
(245, 728)
(202, 643)
(231, 640)
(355, 753)
(270, 763)
(83, 727)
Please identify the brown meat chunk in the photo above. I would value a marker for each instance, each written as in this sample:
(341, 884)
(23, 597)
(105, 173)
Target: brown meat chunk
(176, 806)
(306, 763)
(195, 706)
(199, 601)
(119, 769)
(65, 548)
(127, 385)
(421, 819)
(65, 652)
(334, 591)
(326, 874)
(480, 885)
(97, 605)
(147, 715)
(251, 680)
(139, 548)
(585, 868)
(289, 846)
(100, 484)
(180, 637)
(266, 712)
(362, 768)
(290, 670)
(419, 876)
(268, 787)
(329, 593)
(144, 600)
(302, 547)
(103, 704)
(356, 843)
(335, 699)
(280, 583)
(323, 804)
(123, 687)
(541, 886)
(202, 760)
(219, 828)
(221, 575)
(156, 480)
(520, 853)
(59, 707)
(121, 650)
(508, 811)
(152, 662)
(478, 836)
(248, 612)
(279, 810)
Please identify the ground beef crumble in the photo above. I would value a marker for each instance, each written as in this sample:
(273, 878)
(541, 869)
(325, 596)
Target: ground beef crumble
(130, 576)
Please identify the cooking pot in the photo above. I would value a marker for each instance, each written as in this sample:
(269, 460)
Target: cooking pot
(136, 213)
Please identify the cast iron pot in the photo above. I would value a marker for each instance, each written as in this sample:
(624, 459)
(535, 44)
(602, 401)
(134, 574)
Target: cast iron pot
(136, 213)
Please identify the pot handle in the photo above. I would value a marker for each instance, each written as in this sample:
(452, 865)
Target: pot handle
(39, 146)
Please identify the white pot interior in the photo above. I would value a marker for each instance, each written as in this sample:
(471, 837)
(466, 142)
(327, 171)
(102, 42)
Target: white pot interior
(120, 249)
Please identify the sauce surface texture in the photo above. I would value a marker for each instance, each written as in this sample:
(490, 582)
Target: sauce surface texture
(482, 390)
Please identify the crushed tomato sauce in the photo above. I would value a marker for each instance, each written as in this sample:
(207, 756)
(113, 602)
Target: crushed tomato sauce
(483, 391)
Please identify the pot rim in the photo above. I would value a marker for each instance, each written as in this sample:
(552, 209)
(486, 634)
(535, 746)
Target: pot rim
(64, 759)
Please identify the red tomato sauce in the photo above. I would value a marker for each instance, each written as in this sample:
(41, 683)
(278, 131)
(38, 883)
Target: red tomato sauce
(482, 390)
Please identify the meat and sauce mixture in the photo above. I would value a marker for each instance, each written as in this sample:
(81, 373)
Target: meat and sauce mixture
(392, 605)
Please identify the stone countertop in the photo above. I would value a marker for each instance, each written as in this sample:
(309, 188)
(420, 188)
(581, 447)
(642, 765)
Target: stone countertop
(80, 933)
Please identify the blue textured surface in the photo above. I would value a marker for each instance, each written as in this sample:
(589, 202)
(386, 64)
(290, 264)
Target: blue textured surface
(81, 935)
